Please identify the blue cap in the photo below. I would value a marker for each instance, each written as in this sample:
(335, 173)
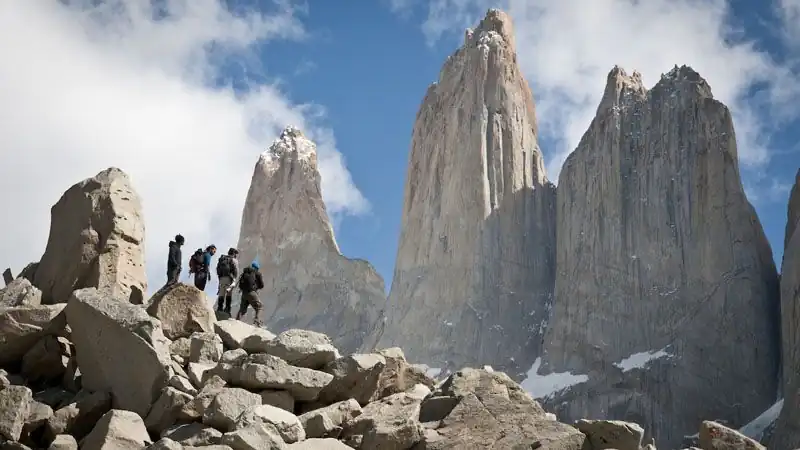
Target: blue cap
(255, 265)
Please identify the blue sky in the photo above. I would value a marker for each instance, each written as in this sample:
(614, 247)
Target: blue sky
(198, 92)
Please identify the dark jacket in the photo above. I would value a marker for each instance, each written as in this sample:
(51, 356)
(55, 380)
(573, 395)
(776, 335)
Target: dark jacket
(259, 279)
(174, 258)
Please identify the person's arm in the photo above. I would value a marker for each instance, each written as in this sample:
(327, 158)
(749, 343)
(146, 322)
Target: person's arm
(235, 268)
(172, 259)
(207, 260)
(259, 280)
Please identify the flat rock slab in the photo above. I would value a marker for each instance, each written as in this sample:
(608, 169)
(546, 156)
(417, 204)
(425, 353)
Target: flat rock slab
(182, 310)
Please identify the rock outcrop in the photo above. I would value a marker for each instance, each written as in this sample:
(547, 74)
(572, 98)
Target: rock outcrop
(285, 226)
(787, 427)
(666, 292)
(475, 265)
(96, 240)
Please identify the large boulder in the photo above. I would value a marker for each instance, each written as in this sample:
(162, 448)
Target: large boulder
(96, 240)
(481, 409)
(15, 404)
(117, 429)
(714, 436)
(21, 328)
(182, 310)
(120, 349)
(20, 292)
(301, 348)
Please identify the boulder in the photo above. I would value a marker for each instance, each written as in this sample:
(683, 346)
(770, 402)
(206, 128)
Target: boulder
(194, 409)
(182, 384)
(301, 348)
(714, 436)
(614, 434)
(234, 332)
(166, 410)
(260, 371)
(205, 348)
(280, 399)
(38, 415)
(399, 375)
(479, 409)
(15, 404)
(21, 328)
(96, 240)
(255, 437)
(117, 429)
(180, 349)
(197, 372)
(80, 416)
(182, 310)
(20, 292)
(318, 444)
(63, 442)
(193, 434)
(227, 406)
(354, 376)
(131, 361)
(48, 359)
(327, 421)
(165, 444)
(286, 423)
(391, 423)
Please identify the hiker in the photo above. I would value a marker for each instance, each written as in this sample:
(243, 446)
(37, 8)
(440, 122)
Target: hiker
(199, 265)
(174, 260)
(228, 273)
(249, 283)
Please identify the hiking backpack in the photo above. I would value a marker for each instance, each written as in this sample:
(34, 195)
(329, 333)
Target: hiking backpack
(196, 261)
(247, 282)
(224, 266)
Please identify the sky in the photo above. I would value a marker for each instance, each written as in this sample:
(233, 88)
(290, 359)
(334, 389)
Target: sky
(185, 94)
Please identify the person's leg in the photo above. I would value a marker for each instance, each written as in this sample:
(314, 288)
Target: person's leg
(256, 304)
(228, 300)
(223, 285)
(172, 276)
(242, 307)
(200, 281)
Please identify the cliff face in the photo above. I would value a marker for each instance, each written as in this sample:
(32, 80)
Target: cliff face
(285, 226)
(787, 429)
(666, 292)
(474, 272)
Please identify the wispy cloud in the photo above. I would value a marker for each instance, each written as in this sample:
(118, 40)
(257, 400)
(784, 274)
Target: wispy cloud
(567, 47)
(85, 85)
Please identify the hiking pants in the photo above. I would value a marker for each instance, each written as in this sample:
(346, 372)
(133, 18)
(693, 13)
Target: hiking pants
(225, 294)
(200, 280)
(251, 298)
(173, 274)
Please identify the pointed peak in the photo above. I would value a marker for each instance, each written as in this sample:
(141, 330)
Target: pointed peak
(685, 76)
(621, 88)
(496, 27)
(291, 140)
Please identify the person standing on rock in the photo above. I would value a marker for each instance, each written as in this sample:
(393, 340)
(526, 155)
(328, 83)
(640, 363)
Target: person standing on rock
(249, 283)
(228, 273)
(201, 264)
(174, 259)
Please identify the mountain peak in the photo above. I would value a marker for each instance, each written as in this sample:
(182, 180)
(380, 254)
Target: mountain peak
(495, 28)
(621, 88)
(291, 142)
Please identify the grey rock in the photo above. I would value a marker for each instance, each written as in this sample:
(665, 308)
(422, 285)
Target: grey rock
(14, 409)
(475, 264)
(611, 434)
(96, 240)
(390, 423)
(280, 399)
(165, 444)
(183, 384)
(259, 372)
(38, 415)
(286, 423)
(234, 332)
(714, 436)
(354, 376)
(327, 421)
(80, 416)
(180, 349)
(118, 430)
(660, 258)
(309, 284)
(182, 310)
(227, 406)
(195, 409)
(205, 348)
(63, 442)
(21, 328)
(301, 348)
(193, 434)
(166, 410)
(318, 444)
(132, 360)
(48, 359)
(255, 437)
(197, 372)
(20, 292)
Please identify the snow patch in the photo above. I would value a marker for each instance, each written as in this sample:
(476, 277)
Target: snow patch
(755, 429)
(290, 140)
(641, 359)
(540, 386)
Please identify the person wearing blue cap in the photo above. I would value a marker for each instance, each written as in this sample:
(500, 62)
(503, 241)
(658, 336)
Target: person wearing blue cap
(249, 283)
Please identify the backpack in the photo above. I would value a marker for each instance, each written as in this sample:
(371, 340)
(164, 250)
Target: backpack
(247, 282)
(196, 261)
(224, 266)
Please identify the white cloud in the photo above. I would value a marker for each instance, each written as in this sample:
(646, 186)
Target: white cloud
(789, 12)
(83, 88)
(567, 47)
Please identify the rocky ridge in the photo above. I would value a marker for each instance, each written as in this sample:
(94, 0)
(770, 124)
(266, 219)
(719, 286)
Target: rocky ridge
(285, 226)
(475, 263)
(100, 372)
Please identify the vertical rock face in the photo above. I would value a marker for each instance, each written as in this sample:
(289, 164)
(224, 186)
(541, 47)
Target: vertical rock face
(787, 429)
(474, 271)
(308, 283)
(96, 240)
(666, 289)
